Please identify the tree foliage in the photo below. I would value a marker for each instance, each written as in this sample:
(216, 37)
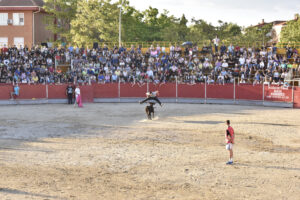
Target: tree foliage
(291, 32)
(61, 14)
(95, 21)
(86, 21)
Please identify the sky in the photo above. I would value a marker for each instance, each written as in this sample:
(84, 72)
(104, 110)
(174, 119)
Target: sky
(241, 12)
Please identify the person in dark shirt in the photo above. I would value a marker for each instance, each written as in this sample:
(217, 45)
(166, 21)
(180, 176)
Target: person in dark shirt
(69, 93)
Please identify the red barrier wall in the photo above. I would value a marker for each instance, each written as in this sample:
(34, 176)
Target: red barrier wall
(191, 91)
(278, 93)
(130, 90)
(297, 98)
(249, 92)
(87, 93)
(105, 90)
(57, 91)
(165, 90)
(32, 92)
(219, 91)
(5, 91)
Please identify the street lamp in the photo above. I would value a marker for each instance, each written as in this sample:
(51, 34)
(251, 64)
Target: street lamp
(120, 24)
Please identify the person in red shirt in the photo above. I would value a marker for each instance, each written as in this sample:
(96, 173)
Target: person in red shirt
(229, 138)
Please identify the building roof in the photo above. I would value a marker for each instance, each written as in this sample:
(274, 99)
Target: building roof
(20, 3)
(275, 23)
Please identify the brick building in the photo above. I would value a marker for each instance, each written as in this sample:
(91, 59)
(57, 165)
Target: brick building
(22, 23)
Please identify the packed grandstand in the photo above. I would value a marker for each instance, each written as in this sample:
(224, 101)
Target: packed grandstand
(186, 64)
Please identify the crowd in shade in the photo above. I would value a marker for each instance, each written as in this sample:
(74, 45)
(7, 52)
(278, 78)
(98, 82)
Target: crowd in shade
(185, 64)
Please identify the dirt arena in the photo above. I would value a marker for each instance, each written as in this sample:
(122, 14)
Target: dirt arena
(110, 151)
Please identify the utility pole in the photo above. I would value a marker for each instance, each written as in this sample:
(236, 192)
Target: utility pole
(120, 24)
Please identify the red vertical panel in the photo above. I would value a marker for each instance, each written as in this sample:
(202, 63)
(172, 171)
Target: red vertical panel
(5, 91)
(133, 90)
(57, 91)
(249, 92)
(220, 91)
(191, 91)
(87, 93)
(109, 90)
(32, 92)
(167, 90)
(297, 97)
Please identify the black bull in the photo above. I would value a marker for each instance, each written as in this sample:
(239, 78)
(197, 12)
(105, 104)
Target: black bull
(150, 110)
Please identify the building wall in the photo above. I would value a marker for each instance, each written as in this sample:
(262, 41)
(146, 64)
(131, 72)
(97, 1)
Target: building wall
(277, 30)
(10, 31)
(41, 33)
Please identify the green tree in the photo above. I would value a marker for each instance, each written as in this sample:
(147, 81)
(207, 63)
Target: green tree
(257, 34)
(183, 30)
(61, 13)
(291, 32)
(200, 30)
(95, 21)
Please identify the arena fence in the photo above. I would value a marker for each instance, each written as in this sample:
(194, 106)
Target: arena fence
(234, 93)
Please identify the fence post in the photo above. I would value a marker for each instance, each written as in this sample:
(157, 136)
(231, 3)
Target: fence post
(119, 90)
(147, 85)
(205, 95)
(176, 90)
(234, 90)
(293, 93)
(263, 95)
(46, 91)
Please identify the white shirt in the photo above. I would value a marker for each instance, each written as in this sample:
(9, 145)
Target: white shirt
(216, 41)
(77, 91)
(150, 73)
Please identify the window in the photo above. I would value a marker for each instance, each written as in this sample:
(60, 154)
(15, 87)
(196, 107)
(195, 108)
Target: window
(3, 19)
(3, 42)
(19, 42)
(18, 19)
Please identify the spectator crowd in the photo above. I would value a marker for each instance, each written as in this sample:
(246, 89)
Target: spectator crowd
(186, 64)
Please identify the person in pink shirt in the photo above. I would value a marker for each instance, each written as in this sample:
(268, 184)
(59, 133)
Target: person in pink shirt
(229, 139)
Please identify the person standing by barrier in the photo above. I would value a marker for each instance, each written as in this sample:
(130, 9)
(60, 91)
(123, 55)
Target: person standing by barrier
(69, 93)
(229, 138)
(16, 92)
(78, 97)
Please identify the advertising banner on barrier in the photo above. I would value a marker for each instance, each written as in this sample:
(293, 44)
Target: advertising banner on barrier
(278, 93)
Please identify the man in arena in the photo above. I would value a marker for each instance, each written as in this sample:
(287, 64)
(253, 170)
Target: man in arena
(152, 96)
(16, 91)
(69, 93)
(229, 138)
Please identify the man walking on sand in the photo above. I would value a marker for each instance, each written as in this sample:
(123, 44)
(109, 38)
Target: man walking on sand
(229, 138)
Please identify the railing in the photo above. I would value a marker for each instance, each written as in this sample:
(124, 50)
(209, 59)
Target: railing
(233, 93)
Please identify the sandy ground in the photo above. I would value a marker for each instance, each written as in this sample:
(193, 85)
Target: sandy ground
(110, 151)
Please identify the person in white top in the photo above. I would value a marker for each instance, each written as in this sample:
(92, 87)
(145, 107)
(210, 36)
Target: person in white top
(216, 42)
(77, 97)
